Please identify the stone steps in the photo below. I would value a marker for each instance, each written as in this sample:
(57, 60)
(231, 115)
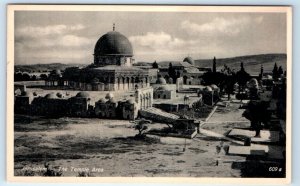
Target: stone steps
(158, 115)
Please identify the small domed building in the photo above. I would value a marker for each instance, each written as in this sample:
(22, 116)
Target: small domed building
(50, 105)
(191, 75)
(129, 109)
(79, 105)
(162, 90)
(161, 81)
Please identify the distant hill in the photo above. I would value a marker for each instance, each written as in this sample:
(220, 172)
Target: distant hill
(44, 67)
(252, 63)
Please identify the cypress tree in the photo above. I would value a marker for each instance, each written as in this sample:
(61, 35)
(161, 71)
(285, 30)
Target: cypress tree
(214, 65)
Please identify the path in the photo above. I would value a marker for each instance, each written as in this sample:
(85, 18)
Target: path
(217, 135)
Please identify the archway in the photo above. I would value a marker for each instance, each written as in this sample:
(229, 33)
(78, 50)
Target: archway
(185, 80)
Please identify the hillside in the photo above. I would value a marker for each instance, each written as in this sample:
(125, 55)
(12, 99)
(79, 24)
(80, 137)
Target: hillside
(44, 67)
(252, 63)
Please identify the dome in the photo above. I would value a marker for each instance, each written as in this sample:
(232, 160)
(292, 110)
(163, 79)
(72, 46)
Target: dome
(51, 96)
(253, 83)
(161, 81)
(95, 81)
(208, 88)
(189, 60)
(109, 96)
(130, 101)
(82, 95)
(57, 72)
(112, 100)
(170, 80)
(214, 87)
(113, 43)
(102, 100)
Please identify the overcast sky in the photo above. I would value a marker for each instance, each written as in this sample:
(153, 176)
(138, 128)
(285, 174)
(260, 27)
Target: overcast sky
(70, 37)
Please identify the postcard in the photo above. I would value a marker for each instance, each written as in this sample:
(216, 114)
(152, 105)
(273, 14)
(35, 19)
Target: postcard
(149, 93)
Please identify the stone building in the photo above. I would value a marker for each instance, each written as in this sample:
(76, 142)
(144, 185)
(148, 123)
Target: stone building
(79, 105)
(186, 69)
(112, 69)
(129, 109)
(22, 102)
(108, 107)
(144, 98)
(124, 109)
(50, 105)
(210, 94)
(162, 90)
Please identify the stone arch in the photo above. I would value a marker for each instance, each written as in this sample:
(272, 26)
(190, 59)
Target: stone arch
(142, 83)
(149, 99)
(144, 101)
(132, 83)
(118, 82)
(128, 82)
(123, 82)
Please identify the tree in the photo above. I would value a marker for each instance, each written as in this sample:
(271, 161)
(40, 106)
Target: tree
(242, 78)
(213, 78)
(261, 72)
(257, 113)
(172, 72)
(154, 65)
(275, 72)
(18, 76)
(141, 127)
(214, 65)
(33, 78)
(280, 71)
(229, 84)
(43, 76)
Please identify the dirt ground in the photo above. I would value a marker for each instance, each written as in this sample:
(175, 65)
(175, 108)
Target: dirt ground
(106, 148)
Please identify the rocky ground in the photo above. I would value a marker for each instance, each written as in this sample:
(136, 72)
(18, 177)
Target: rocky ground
(108, 148)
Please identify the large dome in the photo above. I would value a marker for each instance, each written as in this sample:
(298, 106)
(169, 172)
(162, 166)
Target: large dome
(189, 60)
(113, 43)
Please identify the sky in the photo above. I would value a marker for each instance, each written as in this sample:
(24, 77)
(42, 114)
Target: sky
(70, 37)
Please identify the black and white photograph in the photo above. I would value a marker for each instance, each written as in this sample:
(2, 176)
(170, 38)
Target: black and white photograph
(135, 91)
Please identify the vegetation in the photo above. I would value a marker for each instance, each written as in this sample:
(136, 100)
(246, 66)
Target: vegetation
(252, 62)
(277, 72)
(154, 65)
(214, 65)
(172, 73)
(141, 127)
(242, 78)
(257, 113)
